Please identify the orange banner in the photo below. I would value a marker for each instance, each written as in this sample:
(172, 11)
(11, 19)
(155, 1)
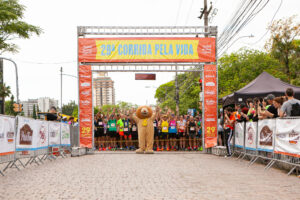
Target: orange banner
(210, 106)
(85, 106)
(163, 49)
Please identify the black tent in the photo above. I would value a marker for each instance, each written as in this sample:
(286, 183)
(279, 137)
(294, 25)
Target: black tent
(263, 85)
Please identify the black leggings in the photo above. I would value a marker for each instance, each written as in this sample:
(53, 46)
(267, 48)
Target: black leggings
(228, 137)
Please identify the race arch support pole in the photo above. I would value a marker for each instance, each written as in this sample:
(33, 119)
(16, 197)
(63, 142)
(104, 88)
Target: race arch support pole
(17, 79)
(203, 100)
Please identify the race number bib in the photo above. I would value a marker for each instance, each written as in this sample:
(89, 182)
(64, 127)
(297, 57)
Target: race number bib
(113, 125)
(172, 127)
(125, 129)
(100, 123)
(192, 128)
(154, 124)
(134, 128)
(165, 128)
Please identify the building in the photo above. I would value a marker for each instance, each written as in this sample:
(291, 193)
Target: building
(28, 107)
(45, 103)
(42, 104)
(103, 90)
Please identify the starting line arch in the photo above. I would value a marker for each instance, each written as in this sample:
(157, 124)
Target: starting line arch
(147, 49)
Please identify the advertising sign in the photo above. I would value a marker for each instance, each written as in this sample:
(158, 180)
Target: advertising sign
(266, 129)
(85, 106)
(239, 135)
(287, 137)
(210, 106)
(54, 134)
(65, 135)
(250, 135)
(163, 49)
(7, 135)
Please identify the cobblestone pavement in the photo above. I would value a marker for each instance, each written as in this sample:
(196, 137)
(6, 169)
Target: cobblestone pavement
(109, 176)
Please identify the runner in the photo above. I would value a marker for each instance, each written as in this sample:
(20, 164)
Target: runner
(192, 130)
(164, 132)
(100, 130)
(199, 134)
(181, 127)
(112, 129)
(96, 132)
(120, 130)
(155, 125)
(127, 133)
(172, 132)
(134, 134)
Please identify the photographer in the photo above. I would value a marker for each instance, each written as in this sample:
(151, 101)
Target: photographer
(52, 115)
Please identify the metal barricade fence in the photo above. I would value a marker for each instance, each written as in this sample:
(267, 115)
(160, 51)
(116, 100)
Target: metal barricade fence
(260, 142)
(25, 146)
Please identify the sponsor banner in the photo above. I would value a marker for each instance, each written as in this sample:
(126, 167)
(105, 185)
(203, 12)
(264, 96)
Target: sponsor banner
(210, 106)
(163, 49)
(266, 129)
(250, 135)
(287, 137)
(65, 135)
(85, 106)
(54, 134)
(7, 135)
(239, 135)
(31, 134)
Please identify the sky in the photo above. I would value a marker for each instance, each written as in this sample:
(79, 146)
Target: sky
(40, 58)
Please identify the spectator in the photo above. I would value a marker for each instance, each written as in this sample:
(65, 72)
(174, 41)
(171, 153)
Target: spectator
(290, 107)
(229, 127)
(52, 115)
(278, 101)
(71, 121)
(271, 111)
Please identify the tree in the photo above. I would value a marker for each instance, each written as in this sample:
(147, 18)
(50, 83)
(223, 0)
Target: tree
(75, 112)
(12, 26)
(4, 90)
(237, 69)
(284, 46)
(34, 112)
(69, 108)
(9, 107)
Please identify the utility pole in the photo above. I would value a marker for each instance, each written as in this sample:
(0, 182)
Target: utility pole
(205, 12)
(1, 82)
(177, 94)
(61, 87)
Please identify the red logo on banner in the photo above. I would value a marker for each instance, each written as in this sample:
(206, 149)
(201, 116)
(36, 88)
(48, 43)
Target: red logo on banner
(210, 106)
(85, 106)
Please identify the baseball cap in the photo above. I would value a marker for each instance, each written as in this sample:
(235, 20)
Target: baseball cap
(270, 97)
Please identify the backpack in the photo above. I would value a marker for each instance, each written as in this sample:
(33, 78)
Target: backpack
(295, 109)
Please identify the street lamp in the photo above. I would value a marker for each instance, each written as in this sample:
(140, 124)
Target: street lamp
(245, 36)
(17, 79)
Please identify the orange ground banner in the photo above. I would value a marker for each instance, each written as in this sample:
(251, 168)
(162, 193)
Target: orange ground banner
(85, 106)
(210, 106)
(162, 49)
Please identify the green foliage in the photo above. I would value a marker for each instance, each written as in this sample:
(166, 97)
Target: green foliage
(68, 109)
(9, 107)
(34, 112)
(75, 112)
(188, 93)
(284, 46)
(238, 69)
(4, 90)
(96, 110)
(12, 26)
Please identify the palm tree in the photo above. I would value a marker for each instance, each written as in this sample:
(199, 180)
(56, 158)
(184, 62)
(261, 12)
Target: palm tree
(4, 90)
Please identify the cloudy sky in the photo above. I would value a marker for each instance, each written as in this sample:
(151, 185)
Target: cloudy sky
(40, 58)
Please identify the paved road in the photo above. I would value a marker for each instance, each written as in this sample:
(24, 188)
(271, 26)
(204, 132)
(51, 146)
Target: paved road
(160, 176)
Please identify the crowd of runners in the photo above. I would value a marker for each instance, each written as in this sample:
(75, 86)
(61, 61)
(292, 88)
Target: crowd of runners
(116, 130)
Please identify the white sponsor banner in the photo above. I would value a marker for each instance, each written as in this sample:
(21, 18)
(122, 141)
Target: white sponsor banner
(43, 134)
(65, 134)
(239, 134)
(27, 134)
(54, 133)
(266, 130)
(287, 139)
(250, 135)
(7, 135)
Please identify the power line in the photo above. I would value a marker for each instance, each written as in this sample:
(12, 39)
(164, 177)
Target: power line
(178, 11)
(268, 29)
(189, 13)
(46, 63)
